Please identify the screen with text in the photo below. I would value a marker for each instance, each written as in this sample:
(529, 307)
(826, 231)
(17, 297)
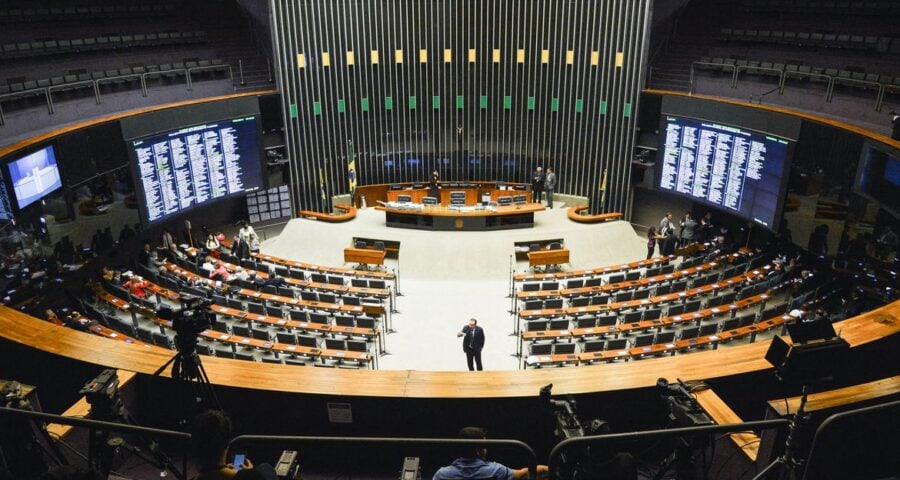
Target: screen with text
(197, 165)
(735, 169)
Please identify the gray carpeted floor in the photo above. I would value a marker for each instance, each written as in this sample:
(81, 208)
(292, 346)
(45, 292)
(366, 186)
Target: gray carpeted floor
(448, 277)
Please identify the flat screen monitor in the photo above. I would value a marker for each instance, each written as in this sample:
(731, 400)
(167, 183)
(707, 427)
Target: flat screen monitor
(196, 165)
(732, 168)
(878, 177)
(34, 176)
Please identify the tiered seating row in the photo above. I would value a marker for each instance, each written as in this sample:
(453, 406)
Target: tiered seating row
(283, 344)
(36, 48)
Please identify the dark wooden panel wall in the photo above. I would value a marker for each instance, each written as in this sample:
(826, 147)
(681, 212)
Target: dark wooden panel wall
(477, 89)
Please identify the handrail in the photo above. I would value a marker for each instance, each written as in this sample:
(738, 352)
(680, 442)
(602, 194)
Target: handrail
(723, 65)
(660, 434)
(513, 444)
(98, 425)
(48, 91)
(829, 80)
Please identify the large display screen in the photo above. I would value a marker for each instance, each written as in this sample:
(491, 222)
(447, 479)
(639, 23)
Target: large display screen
(197, 165)
(878, 177)
(732, 168)
(34, 176)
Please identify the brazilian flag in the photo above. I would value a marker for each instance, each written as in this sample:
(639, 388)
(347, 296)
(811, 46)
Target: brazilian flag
(351, 169)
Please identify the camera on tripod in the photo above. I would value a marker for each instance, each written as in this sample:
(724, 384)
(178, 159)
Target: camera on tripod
(102, 393)
(582, 462)
(193, 317)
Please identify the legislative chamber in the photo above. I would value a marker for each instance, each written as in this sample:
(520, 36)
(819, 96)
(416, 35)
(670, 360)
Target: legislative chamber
(611, 239)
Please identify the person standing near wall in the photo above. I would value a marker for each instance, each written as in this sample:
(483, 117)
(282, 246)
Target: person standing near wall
(550, 186)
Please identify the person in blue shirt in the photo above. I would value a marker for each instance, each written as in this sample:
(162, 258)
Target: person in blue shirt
(473, 463)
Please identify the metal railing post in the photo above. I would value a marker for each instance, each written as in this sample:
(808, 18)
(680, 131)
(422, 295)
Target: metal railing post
(557, 450)
(269, 70)
(241, 71)
(96, 92)
(691, 81)
(187, 75)
(49, 100)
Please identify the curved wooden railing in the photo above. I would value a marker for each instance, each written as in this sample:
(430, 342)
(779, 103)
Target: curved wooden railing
(349, 214)
(15, 326)
(576, 215)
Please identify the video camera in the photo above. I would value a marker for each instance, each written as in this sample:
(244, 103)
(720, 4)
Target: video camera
(192, 319)
(567, 423)
(683, 407)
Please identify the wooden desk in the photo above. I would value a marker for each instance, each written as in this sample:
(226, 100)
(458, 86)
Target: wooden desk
(559, 256)
(364, 256)
(540, 360)
(534, 277)
(443, 218)
(722, 414)
(840, 397)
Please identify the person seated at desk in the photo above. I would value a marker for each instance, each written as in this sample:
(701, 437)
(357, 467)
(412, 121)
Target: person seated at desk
(52, 317)
(136, 286)
(210, 433)
(473, 464)
(220, 273)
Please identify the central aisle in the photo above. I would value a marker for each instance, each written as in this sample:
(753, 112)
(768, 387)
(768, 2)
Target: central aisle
(448, 277)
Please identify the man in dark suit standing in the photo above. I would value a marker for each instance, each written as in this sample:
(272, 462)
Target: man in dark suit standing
(473, 342)
(537, 185)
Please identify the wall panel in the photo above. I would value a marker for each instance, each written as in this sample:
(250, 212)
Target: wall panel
(476, 89)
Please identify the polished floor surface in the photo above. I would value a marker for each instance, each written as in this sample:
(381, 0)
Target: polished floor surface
(448, 277)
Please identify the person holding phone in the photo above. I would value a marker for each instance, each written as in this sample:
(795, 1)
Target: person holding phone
(210, 434)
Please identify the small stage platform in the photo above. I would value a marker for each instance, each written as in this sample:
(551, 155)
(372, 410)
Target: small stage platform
(468, 218)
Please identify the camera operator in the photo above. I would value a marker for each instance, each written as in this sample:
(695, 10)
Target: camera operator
(210, 434)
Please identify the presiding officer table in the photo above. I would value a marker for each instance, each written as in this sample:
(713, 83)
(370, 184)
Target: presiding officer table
(443, 218)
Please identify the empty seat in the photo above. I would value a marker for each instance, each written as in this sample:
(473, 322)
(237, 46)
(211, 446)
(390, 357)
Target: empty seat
(286, 337)
(256, 308)
(536, 325)
(553, 303)
(594, 346)
(344, 321)
(616, 344)
(540, 348)
(643, 340)
(664, 337)
(335, 344)
(585, 321)
(534, 305)
(559, 324)
(564, 348)
(689, 332)
(632, 317)
(580, 301)
(577, 283)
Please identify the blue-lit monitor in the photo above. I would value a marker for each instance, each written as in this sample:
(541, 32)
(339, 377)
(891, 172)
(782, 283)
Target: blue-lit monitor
(732, 168)
(34, 176)
(878, 176)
